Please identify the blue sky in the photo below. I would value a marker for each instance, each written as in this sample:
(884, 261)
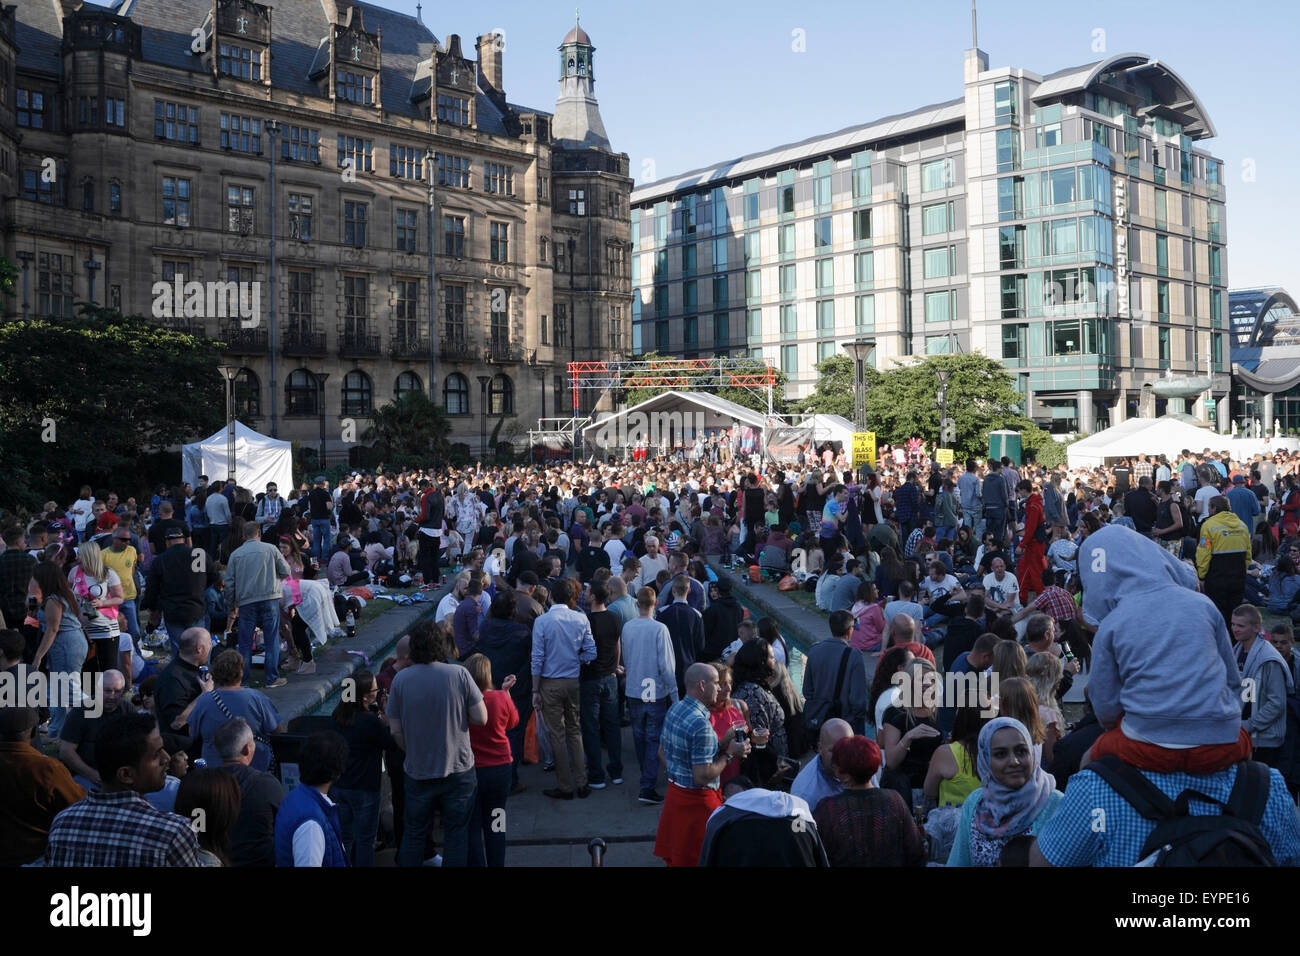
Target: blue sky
(687, 84)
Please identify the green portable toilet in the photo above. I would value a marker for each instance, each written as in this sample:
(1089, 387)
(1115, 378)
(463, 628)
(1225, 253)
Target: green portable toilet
(1005, 443)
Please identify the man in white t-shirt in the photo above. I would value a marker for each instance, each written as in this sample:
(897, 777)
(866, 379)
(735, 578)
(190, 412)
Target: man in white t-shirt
(1207, 490)
(652, 562)
(614, 545)
(451, 600)
(1002, 591)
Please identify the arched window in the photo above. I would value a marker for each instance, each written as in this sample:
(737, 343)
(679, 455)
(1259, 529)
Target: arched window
(408, 382)
(248, 394)
(300, 393)
(501, 396)
(455, 394)
(357, 397)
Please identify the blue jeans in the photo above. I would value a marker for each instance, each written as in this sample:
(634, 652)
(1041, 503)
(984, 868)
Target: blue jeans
(67, 656)
(489, 816)
(174, 631)
(647, 724)
(132, 618)
(264, 614)
(945, 533)
(995, 521)
(598, 702)
(359, 819)
(320, 539)
(456, 793)
(516, 736)
(216, 534)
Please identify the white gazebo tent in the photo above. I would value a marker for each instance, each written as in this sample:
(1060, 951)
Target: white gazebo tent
(1167, 435)
(258, 460)
(671, 419)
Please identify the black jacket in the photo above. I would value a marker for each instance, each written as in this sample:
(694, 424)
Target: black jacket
(508, 646)
(721, 622)
(175, 588)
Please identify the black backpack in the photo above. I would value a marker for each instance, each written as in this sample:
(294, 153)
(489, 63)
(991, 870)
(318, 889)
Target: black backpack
(1229, 838)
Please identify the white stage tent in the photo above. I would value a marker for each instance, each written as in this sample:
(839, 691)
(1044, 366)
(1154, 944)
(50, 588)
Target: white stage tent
(670, 420)
(1167, 435)
(258, 460)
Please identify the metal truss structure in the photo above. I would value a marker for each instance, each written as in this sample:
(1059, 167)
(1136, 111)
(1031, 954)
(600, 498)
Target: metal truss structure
(670, 373)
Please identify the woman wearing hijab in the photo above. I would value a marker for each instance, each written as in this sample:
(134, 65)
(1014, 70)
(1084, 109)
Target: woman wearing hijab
(1016, 795)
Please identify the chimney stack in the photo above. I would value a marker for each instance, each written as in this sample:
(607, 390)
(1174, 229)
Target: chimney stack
(490, 48)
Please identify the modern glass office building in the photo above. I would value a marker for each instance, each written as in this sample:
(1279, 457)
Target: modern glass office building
(1069, 224)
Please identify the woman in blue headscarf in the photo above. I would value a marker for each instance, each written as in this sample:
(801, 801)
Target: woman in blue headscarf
(1016, 795)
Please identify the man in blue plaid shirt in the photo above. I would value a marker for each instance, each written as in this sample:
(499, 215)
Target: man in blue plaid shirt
(117, 826)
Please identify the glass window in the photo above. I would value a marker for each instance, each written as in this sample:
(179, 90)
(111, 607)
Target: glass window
(499, 179)
(1008, 150)
(753, 284)
(301, 390)
(862, 183)
(1011, 246)
(822, 230)
(861, 225)
(240, 209)
(1049, 135)
(501, 396)
(753, 247)
(688, 259)
(175, 201)
(822, 191)
(720, 290)
(937, 263)
(1006, 102)
(661, 301)
(785, 240)
(1162, 299)
(1010, 197)
(355, 87)
(864, 313)
(864, 267)
(690, 300)
(1162, 207)
(1060, 185)
(300, 144)
(453, 171)
(721, 331)
(788, 282)
(790, 359)
(453, 236)
(789, 322)
(938, 344)
(754, 323)
(499, 247)
(1013, 341)
(934, 219)
(787, 199)
(453, 109)
(1162, 254)
(825, 274)
(1064, 237)
(405, 231)
(241, 133)
(357, 394)
(405, 162)
(826, 317)
(1164, 347)
(936, 174)
(938, 306)
(719, 255)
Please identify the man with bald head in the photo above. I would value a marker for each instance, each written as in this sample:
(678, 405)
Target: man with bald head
(817, 780)
(695, 759)
(77, 741)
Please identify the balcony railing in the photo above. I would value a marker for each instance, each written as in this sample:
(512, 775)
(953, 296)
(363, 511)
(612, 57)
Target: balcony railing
(456, 349)
(357, 343)
(242, 341)
(503, 351)
(304, 342)
(408, 347)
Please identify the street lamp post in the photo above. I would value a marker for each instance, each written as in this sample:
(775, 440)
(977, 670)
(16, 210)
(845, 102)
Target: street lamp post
(273, 131)
(573, 351)
(92, 267)
(945, 426)
(320, 410)
(430, 167)
(25, 258)
(483, 391)
(860, 351)
(230, 373)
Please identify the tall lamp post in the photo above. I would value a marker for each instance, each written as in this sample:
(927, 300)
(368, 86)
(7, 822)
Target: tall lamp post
(860, 351)
(430, 167)
(945, 426)
(573, 350)
(320, 410)
(273, 131)
(483, 392)
(230, 373)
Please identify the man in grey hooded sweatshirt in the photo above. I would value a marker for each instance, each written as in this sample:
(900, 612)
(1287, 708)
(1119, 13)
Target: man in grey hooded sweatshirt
(1265, 684)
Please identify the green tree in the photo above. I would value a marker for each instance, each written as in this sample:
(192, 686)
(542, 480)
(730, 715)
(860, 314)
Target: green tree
(903, 402)
(83, 399)
(8, 276)
(833, 394)
(410, 430)
(692, 380)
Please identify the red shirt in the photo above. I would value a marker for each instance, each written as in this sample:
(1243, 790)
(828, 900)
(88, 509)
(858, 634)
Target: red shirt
(489, 743)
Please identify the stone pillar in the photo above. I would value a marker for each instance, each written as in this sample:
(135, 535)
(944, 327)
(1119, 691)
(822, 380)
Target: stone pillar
(1147, 403)
(1119, 411)
(1086, 418)
(1266, 419)
(1224, 413)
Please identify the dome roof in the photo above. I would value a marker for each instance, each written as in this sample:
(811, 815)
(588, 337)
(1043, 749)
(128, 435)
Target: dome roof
(577, 35)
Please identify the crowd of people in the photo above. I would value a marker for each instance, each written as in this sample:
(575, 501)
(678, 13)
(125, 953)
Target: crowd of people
(926, 724)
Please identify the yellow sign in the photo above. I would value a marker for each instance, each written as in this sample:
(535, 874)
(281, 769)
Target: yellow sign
(864, 449)
(943, 456)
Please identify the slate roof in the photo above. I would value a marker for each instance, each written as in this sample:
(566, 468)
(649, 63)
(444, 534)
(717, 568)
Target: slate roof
(300, 32)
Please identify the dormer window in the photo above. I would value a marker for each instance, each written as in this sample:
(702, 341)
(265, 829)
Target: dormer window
(453, 110)
(355, 87)
(240, 62)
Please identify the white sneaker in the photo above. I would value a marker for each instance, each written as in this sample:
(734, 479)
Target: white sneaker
(596, 786)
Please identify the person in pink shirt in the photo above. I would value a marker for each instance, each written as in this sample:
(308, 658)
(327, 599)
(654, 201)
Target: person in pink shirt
(492, 765)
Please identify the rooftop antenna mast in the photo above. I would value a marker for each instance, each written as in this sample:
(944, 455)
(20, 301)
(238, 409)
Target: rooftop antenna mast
(974, 31)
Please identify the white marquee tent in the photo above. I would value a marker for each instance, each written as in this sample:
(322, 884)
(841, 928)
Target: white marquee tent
(258, 460)
(1167, 435)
